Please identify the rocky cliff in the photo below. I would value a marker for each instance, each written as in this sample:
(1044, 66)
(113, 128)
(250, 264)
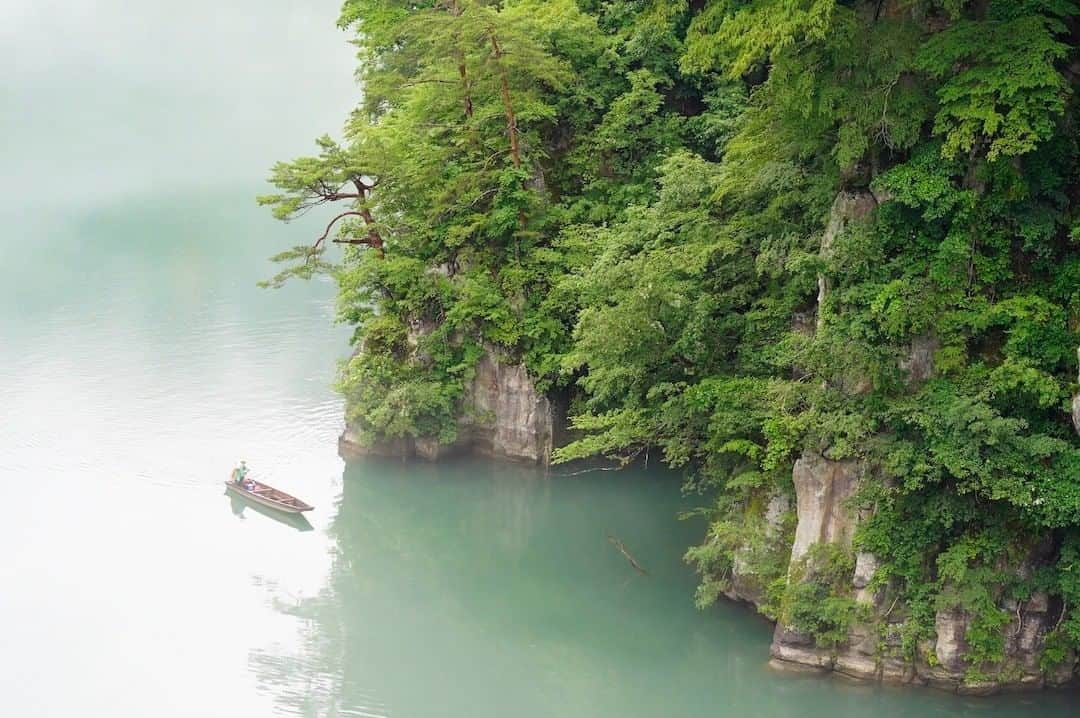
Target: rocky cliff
(872, 648)
(502, 416)
(827, 517)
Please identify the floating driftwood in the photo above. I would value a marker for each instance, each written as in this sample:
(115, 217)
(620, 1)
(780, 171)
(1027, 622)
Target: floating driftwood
(622, 549)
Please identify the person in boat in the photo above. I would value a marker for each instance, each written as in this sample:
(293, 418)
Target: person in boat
(240, 473)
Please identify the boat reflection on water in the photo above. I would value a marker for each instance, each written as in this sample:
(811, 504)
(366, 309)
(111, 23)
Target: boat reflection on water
(239, 505)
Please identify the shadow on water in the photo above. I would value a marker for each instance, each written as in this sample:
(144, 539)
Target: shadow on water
(477, 589)
(240, 505)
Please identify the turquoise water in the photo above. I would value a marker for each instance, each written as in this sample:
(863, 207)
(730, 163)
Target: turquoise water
(138, 362)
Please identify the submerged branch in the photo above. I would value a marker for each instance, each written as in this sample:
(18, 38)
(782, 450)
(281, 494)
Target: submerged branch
(622, 549)
(589, 471)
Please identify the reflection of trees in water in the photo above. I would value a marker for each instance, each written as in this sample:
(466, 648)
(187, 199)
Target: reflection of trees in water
(309, 682)
(456, 584)
(298, 688)
(414, 547)
(470, 589)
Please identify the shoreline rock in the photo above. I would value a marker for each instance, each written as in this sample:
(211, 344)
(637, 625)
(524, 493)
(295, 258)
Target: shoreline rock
(503, 416)
(872, 649)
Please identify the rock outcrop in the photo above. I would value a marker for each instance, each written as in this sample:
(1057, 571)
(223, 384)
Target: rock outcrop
(872, 649)
(1076, 399)
(502, 416)
(848, 207)
(822, 490)
(507, 417)
(918, 365)
(871, 645)
(768, 533)
(943, 662)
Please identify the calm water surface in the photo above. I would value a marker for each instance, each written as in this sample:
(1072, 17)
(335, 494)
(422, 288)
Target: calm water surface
(138, 362)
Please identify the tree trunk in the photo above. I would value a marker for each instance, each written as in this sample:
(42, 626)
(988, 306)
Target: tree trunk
(466, 83)
(374, 239)
(508, 105)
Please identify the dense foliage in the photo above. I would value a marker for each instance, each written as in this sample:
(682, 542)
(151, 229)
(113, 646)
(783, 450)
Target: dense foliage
(631, 196)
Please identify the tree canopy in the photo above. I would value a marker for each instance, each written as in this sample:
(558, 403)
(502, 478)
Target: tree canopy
(643, 201)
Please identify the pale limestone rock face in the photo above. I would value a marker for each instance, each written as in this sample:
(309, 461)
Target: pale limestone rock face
(791, 646)
(896, 667)
(858, 659)
(950, 627)
(350, 444)
(746, 585)
(503, 416)
(1025, 642)
(857, 665)
(1076, 399)
(875, 651)
(508, 418)
(774, 514)
(822, 488)
(918, 365)
(847, 207)
(866, 564)
(1025, 637)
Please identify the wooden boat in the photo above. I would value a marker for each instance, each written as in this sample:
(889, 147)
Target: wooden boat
(269, 496)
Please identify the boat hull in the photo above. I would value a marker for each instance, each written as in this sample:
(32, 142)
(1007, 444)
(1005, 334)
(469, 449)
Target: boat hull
(270, 497)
